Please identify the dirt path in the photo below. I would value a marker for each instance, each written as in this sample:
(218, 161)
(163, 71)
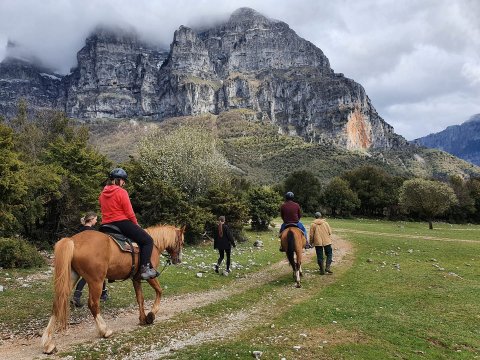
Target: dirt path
(127, 319)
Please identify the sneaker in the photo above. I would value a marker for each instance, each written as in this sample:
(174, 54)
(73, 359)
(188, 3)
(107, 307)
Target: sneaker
(146, 272)
(76, 302)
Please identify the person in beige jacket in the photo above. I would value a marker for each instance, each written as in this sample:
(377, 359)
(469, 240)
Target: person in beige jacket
(320, 237)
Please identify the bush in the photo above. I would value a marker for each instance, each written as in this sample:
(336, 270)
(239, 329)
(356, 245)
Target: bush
(18, 253)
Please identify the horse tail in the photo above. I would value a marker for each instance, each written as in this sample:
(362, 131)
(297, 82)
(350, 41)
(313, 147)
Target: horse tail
(291, 248)
(62, 281)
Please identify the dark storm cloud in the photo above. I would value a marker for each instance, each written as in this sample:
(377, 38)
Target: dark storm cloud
(418, 60)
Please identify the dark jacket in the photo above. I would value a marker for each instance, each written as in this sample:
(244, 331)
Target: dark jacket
(290, 212)
(224, 242)
(85, 227)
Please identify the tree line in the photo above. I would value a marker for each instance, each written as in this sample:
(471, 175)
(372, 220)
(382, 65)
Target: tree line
(50, 176)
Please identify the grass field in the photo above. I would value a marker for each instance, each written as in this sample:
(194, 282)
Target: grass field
(405, 292)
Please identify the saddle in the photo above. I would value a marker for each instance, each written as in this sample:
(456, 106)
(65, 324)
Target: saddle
(124, 243)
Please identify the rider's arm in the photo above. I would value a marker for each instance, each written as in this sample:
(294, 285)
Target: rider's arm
(128, 209)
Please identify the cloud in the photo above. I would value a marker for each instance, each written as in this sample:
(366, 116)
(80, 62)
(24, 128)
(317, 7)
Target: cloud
(419, 61)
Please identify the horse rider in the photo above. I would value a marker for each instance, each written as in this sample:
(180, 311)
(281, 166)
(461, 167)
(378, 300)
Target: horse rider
(117, 210)
(291, 214)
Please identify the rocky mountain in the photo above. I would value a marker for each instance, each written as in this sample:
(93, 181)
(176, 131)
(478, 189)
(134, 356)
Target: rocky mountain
(462, 140)
(249, 61)
(22, 79)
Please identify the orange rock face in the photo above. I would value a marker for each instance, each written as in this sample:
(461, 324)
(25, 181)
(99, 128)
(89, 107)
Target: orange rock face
(359, 131)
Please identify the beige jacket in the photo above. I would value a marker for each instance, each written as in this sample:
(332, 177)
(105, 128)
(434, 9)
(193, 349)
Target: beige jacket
(320, 233)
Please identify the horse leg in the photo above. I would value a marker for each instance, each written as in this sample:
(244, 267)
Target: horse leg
(137, 285)
(47, 337)
(154, 283)
(298, 266)
(94, 292)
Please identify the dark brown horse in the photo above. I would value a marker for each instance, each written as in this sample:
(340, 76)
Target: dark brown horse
(95, 256)
(293, 241)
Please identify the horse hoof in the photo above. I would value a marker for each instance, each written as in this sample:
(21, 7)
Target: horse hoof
(299, 286)
(108, 333)
(50, 350)
(150, 318)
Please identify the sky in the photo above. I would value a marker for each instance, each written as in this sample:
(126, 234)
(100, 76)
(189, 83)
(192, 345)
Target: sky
(418, 60)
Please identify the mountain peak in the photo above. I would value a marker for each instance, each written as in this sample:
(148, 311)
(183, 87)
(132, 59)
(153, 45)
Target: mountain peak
(246, 15)
(473, 118)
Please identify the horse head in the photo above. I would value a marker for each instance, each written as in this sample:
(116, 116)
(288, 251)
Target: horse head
(175, 251)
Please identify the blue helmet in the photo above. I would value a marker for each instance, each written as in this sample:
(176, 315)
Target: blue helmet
(118, 173)
(289, 195)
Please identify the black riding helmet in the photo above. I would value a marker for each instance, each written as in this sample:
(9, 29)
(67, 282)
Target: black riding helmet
(289, 195)
(118, 173)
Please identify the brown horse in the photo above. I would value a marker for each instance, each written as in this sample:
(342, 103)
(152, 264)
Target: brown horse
(95, 256)
(293, 241)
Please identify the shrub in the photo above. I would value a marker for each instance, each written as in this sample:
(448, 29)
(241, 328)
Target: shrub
(18, 253)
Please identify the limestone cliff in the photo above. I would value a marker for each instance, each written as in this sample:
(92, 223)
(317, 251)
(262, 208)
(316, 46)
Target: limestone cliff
(249, 61)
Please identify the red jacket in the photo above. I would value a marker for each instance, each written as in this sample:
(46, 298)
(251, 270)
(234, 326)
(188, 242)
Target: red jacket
(115, 205)
(290, 212)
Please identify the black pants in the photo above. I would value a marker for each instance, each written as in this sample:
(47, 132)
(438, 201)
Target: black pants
(328, 252)
(140, 236)
(81, 284)
(222, 252)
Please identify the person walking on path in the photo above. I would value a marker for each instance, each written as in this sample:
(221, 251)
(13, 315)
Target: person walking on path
(223, 242)
(88, 222)
(320, 237)
(117, 210)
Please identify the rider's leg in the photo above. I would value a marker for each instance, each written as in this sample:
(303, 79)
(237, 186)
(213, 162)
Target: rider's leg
(228, 251)
(301, 227)
(329, 253)
(319, 251)
(144, 241)
(76, 300)
(282, 227)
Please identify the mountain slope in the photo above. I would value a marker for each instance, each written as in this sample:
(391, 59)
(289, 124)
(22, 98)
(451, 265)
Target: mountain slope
(462, 140)
(257, 151)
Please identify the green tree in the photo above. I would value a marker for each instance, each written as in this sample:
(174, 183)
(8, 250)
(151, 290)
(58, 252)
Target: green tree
(307, 189)
(13, 184)
(264, 204)
(427, 198)
(187, 158)
(464, 210)
(156, 202)
(338, 196)
(82, 170)
(229, 203)
(374, 187)
(473, 186)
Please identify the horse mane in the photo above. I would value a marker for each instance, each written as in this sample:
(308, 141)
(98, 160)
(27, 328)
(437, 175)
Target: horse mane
(162, 234)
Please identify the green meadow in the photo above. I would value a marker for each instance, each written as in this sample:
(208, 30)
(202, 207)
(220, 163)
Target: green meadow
(401, 291)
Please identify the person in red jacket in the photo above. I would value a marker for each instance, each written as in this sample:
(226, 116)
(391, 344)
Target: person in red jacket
(117, 210)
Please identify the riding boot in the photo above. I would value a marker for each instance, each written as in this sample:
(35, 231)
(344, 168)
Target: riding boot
(322, 269)
(147, 272)
(327, 269)
(76, 299)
